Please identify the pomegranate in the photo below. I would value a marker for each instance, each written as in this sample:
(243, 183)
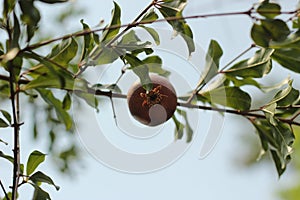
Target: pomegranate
(152, 107)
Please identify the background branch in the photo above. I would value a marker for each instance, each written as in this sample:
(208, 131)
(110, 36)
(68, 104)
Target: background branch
(249, 13)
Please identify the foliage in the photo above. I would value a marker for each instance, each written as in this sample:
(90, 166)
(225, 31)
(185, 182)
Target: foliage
(36, 78)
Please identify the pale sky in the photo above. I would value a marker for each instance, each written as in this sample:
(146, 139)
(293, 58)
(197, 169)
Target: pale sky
(217, 176)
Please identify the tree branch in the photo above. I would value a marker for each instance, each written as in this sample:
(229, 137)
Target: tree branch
(4, 191)
(16, 127)
(110, 94)
(201, 85)
(236, 112)
(249, 13)
(83, 66)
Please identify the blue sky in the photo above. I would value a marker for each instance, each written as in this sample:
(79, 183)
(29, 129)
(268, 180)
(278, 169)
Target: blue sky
(217, 176)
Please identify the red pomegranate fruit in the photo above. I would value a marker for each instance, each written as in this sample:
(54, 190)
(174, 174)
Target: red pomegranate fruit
(154, 107)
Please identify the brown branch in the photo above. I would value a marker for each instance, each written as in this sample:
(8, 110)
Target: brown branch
(4, 191)
(201, 85)
(16, 127)
(83, 66)
(236, 112)
(249, 13)
(110, 94)
(248, 113)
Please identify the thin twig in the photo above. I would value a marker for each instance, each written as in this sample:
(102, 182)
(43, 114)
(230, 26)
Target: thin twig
(237, 112)
(113, 109)
(110, 94)
(199, 87)
(4, 191)
(295, 116)
(86, 32)
(123, 70)
(237, 57)
(84, 66)
(16, 127)
(248, 113)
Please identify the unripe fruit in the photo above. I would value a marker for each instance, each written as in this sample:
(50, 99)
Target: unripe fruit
(155, 106)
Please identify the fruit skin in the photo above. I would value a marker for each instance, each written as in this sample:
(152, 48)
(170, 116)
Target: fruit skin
(161, 105)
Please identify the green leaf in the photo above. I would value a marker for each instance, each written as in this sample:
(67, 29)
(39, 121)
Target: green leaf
(277, 28)
(149, 16)
(53, 1)
(88, 41)
(288, 58)
(3, 124)
(6, 115)
(101, 55)
(282, 94)
(290, 99)
(256, 67)
(292, 41)
(48, 75)
(228, 96)
(269, 111)
(171, 9)
(179, 128)
(213, 57)
(154, 64)
(40, 177)
(153, 34)
(90, 99)
(7, 157)
(10, 55)
(62, 115)
(280, 165)
(67, 102)
(64, 52)
(188, 129)
(186, 33)
(260, 36)
(279, 137)
(60, 79)
(140, 69)
(269, 10)
(8, 7)
(276, 86)
(16, 33)
(131, 42)
(268, 31)
(30, 16)
(16, 65)
(115, 21)
(34, 160)
(39, 193)
(238, 82)
(9, 194)
(296, 22)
